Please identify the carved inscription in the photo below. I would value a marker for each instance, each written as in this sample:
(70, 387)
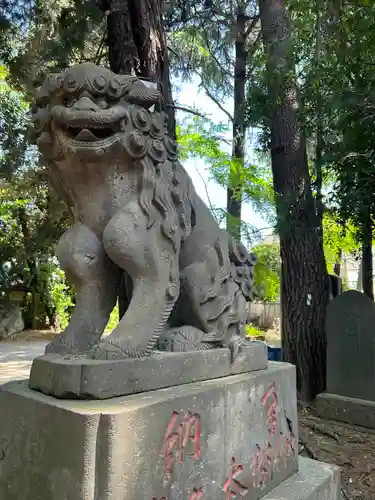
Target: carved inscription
(266, 459)
(271, 397)
(260, 465)
(232, 486)
(179, 434)
(352, 334)
(182, 436)
(196, 494)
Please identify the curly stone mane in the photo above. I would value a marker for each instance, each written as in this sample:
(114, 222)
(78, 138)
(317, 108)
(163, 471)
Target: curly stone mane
(164, 185)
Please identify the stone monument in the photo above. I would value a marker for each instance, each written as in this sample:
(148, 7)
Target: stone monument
(350, 395)
(174, 404)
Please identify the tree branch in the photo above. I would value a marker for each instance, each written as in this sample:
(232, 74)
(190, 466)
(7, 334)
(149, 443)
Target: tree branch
(206, 190)
(213, 98)
(186, 109)
(206, 37)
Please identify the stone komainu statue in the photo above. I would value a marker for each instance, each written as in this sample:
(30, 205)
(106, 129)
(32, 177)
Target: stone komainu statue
(135, 210)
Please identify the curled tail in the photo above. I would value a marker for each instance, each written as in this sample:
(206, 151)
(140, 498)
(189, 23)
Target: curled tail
(212, 307)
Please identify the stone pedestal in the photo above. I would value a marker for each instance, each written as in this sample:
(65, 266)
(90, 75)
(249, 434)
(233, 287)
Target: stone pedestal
(226, 438)
(350, 410)
(314, 481)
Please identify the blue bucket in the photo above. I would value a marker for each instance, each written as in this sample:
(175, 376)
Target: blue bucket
(274, 353)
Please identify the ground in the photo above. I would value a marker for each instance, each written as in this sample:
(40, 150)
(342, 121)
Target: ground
(16, 358)
(350, 447)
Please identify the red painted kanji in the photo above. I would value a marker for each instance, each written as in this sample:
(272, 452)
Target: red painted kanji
(177, 437)
(196, 494)
(272, 410)
(232, 486)
(285, 447)
(261, 465)
(277, 456)
(290, 444)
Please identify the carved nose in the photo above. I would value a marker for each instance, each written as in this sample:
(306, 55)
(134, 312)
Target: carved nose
(86, 104)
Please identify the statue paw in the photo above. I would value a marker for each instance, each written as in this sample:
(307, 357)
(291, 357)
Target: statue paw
(58, 346)
(107, 351)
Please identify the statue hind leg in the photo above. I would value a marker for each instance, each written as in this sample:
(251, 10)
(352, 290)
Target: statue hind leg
(151, 260)
(96, 278)
(212, 307)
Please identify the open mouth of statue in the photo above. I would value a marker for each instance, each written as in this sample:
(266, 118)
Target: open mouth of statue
(89, 134)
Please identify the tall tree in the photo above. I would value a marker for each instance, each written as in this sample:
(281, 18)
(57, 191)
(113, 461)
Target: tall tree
(304, 288)
(234, 199)
(215, 41)
(137, 46)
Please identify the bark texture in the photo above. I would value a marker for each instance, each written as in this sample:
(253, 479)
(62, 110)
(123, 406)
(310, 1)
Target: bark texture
(137, 46)
(367, 267)
(305, 286)
(234, 199)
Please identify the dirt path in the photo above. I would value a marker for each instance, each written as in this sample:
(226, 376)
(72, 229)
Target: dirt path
(350, 447)
(16, 359)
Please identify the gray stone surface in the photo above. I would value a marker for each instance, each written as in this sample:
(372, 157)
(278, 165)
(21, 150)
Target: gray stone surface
(16, 359)
(136, 212)
(350, 410)
(222, 434)
(65, 377)
(313, 481)
(11, 319)
(351, 346)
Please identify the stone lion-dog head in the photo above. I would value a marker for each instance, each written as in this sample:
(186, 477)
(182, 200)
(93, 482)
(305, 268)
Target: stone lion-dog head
(89, 114)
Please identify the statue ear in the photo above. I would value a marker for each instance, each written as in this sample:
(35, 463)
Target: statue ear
(50, 85)
(143, 95)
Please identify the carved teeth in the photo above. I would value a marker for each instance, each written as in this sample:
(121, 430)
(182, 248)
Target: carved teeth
(86, 136)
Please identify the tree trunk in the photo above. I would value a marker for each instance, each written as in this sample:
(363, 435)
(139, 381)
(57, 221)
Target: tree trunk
(319, 112)
(137, 46)
(305, 286)
(367, 279)
(234, 196)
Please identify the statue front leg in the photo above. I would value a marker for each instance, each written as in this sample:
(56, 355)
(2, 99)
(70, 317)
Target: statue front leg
(96, 278)
(151, 260)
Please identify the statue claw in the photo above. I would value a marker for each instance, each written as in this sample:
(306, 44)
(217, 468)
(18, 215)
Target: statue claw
(107, 351)
(62, 347)
(57, 346)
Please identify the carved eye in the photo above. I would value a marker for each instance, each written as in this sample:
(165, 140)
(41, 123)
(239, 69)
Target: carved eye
(70, 84)
(100, 83)
(102, 103)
